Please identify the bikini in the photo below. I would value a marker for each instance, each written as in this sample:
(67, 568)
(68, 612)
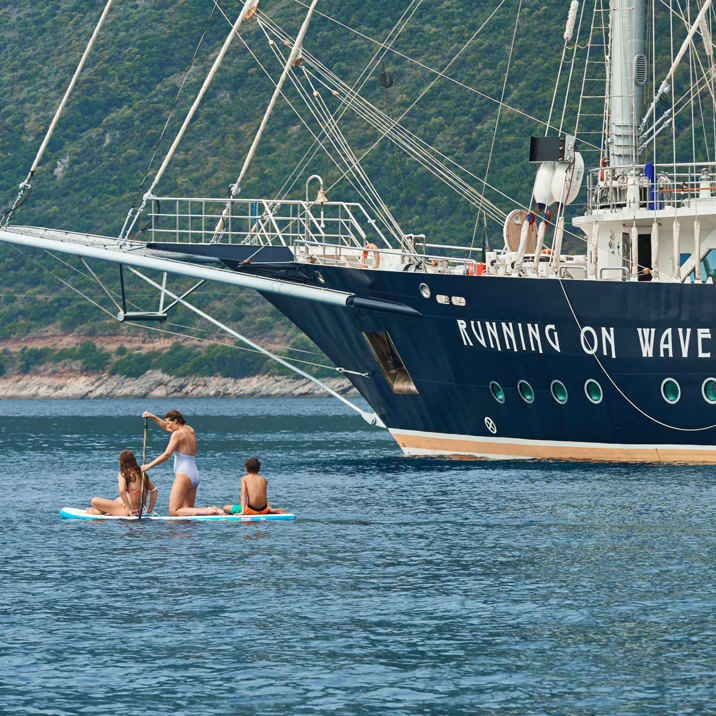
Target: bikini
(137, 491)
(186, 464)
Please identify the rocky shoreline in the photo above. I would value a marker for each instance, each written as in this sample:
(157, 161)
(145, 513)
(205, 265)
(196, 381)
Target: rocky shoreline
(76, 385)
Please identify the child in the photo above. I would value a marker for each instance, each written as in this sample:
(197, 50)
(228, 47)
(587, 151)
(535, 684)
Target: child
(130, 487)
(253, 493)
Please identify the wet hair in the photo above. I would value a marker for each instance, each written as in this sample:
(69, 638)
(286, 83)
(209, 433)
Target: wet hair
(128, 466)
(253, 464)
(175, 415)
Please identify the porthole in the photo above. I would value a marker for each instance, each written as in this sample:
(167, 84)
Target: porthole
(708, 390)
(424, 290)
(593, 391)
(442, 298)
(559, 391)
(497, 393)
(525, 390)
(320, 278)
(670, 390)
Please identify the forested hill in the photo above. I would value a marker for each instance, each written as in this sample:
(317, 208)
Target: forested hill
(94, 165)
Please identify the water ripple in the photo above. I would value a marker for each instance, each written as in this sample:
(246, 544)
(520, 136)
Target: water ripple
(407, 586)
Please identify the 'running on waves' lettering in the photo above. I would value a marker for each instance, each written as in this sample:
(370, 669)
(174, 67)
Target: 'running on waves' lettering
(509, 336)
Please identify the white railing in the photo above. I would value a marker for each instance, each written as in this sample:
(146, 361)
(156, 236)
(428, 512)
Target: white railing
(665, 185)
(333, 254)
(259, 221)
(337, 233)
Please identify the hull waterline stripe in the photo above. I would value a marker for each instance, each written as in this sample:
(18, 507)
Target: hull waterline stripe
(418, 443)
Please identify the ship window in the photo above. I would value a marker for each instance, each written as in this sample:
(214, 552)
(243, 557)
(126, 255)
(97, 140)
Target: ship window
(424, 290)
(593, 391)
(390, 363)
(525, 390)
(441, 298)
(670, 390)
(458, 301)
(559, 391)
(708, 389)
(497, 393)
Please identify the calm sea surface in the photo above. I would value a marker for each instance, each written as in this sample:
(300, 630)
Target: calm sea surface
(406, 585)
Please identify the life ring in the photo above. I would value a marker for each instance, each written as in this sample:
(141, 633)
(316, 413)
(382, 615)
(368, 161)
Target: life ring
(547, 252)
(370, 248)
(602, 164)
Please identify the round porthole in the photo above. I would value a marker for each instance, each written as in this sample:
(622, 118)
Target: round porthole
(526, 392)
(559, 391)
(708, 390)
(670, 390)
(593, 391)
(497, 393)
(424, 290)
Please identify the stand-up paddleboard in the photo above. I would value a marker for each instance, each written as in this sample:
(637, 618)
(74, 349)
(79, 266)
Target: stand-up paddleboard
(73, 513)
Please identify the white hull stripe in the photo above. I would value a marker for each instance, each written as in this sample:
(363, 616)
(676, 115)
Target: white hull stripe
(414, 442)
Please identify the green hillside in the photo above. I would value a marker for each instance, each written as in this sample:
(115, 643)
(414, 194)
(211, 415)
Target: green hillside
(93, 169)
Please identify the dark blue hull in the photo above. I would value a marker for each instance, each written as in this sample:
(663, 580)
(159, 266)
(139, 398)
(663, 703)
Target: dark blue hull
(628, 338)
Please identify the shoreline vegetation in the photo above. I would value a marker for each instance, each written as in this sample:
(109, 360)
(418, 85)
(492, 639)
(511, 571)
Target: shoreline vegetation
(82, 369)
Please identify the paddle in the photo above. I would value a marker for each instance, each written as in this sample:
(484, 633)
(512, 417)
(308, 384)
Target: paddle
(144, 462)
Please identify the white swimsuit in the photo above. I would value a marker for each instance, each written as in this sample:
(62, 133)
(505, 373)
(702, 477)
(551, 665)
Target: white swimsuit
(186, 464)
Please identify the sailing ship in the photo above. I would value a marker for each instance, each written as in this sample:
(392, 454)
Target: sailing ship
(518, 351)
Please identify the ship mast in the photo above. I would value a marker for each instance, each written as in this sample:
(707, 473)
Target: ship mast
(627, 78)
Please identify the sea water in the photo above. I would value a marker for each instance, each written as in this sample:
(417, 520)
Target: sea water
(416, 586)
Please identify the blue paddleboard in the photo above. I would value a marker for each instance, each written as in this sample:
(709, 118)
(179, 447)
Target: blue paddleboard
(73, 513)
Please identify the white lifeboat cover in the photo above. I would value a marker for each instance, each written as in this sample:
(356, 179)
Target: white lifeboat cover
(542, 191)
(567, 178)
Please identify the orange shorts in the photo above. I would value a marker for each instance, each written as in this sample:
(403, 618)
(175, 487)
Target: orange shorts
(251, 511)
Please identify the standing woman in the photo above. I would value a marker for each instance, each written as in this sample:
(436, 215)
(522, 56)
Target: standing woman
(182, 444)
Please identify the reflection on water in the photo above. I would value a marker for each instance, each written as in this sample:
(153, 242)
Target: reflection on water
(522, 588)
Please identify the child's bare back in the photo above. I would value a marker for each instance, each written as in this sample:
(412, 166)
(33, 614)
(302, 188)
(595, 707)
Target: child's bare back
(253, 493)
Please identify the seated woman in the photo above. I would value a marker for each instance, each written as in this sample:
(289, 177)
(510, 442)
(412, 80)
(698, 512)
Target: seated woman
(130, 491)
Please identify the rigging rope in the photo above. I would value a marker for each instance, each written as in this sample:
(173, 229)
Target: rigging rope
(25, 186)
(173, 107)
(372, 419)
(430, 85)
(323, 116)
(293, 108)
(297, 113)
(568, 36)
(176, 325)
(499, 108)
(498, 217)
(129, 225)
(413, 145)
(59, 278)
(365, 187)
(399, 160)
(385, 46)
(443, 76)
(410, 143)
